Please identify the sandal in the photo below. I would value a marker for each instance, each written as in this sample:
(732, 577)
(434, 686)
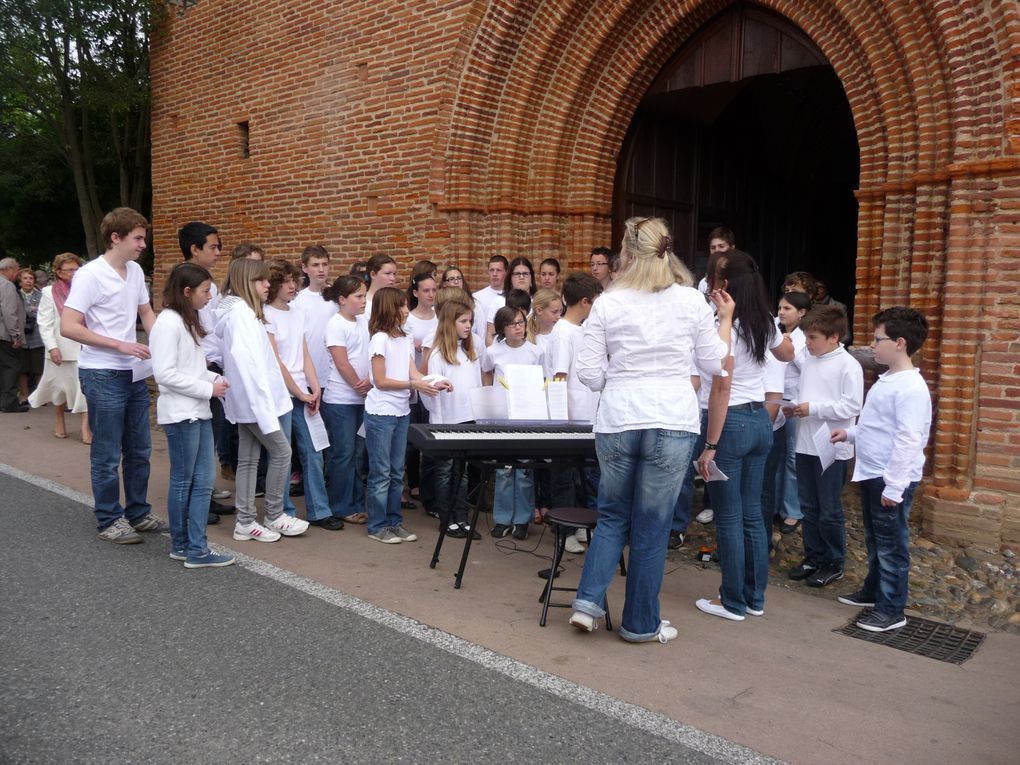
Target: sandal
(357, 518)
(60, 435)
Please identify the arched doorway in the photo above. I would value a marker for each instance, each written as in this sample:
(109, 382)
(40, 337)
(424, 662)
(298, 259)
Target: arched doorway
(748, 127)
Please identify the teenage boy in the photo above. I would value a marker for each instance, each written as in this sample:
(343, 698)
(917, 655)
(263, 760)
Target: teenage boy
(317, 312)
(720, 239)
(831, 392)
(890, 438)
(490, 299)
(579, 293)
(107, 296)
(200, 244)
(599, 263)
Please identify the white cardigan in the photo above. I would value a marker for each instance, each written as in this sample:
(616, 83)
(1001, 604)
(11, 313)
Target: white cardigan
(257, 392)
(49, 328)
(178, 364)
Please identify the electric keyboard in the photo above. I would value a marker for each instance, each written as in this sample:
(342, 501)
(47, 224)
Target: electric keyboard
(523, 440)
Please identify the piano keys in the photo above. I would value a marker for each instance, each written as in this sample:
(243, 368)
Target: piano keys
(569, 440)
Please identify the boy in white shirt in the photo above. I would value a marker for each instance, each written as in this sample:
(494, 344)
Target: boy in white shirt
(890, 438)
(107, 295)
(830, 393)
(317, 312)
(579, 293)
(490, 299)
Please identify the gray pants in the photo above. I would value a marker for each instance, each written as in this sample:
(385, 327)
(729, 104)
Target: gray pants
(250, 439)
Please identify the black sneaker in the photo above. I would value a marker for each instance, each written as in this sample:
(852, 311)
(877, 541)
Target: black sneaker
(520, 531)
(500, 530)
(219, 508)
(827, 574)
(213, 519)
(455, 531)
(466, 528)
(858, 599)
(330, 522)
(802, 571)
(876, 622)
(676, 540)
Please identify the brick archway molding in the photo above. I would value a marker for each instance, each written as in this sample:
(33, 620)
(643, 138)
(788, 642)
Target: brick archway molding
(540, 96)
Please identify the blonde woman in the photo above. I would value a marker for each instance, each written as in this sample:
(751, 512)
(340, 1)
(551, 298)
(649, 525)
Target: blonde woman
(59, 384)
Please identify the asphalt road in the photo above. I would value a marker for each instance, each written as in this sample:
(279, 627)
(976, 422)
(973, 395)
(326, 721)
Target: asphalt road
(115, 654)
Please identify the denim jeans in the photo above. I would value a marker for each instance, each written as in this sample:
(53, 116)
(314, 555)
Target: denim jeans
(192, 473)
(684, 508)
(119, 419)
(779, 490)
(345, 459)
(743, 549)
(887, 537)
(451, 490)
(316, 500)
(821, 500)
(251, 441)
(386, 440)
(513, 500)
(641, 475)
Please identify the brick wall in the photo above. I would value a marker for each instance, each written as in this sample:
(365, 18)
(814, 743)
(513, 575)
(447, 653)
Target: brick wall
(461, 129)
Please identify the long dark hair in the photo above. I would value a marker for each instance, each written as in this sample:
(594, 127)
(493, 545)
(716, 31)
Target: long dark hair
(183, 276)
(508, 283)
(752, 315)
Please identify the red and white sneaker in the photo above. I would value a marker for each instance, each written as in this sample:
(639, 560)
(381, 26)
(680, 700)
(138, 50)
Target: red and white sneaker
(255, 531)
(288, 525)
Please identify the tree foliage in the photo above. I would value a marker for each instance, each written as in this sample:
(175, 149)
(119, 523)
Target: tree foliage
(74, 74)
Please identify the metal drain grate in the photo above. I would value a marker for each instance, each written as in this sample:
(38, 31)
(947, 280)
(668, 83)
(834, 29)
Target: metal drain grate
(922, 637)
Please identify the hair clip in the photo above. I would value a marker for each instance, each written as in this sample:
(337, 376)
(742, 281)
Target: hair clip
(665, 245)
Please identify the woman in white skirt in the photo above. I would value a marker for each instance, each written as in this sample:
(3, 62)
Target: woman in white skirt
(59, 384)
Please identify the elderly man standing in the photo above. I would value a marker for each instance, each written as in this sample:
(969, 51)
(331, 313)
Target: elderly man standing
(12, 336)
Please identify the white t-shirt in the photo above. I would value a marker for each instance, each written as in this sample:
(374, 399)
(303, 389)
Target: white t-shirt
(420, 330)
(211, 343)
(452, 407)
(748, 375)
(792, 379)
(288, 330)
(352, 336)
(499, 354)
(544, 343)
(317, 313)
(398, 353)
(565, 344)
(110, 307)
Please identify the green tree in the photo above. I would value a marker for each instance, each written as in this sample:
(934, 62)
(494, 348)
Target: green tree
(78, 71)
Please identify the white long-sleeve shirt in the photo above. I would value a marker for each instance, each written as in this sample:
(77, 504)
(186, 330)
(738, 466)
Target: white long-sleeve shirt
(637, 350)
(257, 392)
(48, 321)
(833, 385)
(892, 432)
(179, 367)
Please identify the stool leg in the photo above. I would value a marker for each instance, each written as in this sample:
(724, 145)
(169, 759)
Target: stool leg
(559, 542)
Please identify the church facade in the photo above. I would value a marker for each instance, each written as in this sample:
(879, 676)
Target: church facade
(875, 143)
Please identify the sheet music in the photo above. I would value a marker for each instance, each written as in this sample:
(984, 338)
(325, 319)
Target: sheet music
(526, 392)
(141, 369)
(823, 443)
(317, 430)
(556, 395)
(714, 473)
(489, 403)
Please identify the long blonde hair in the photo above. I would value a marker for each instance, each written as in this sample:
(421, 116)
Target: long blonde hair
(241, 277)
(647, 260)
(544, 298)
(446, 341)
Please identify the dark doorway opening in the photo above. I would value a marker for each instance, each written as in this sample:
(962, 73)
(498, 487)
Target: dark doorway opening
(748, 127)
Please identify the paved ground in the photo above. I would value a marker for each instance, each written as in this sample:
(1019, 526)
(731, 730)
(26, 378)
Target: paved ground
(785, 685)
(117, 654)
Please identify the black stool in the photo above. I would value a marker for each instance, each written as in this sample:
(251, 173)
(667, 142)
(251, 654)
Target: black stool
(564, 522)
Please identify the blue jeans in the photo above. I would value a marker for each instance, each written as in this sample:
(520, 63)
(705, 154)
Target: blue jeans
(119, 419)
(684, 508)
(316, 500)
(641, 475)
(743, 548)
(345, 458)
(386, 440)
(887, 537)
(821, 500)
(192, 473)
(779, 491)
(513, 500)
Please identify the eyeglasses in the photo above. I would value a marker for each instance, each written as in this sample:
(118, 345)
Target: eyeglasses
(521, 273)
(876, 340)
(518, 323)
(599, 263)
(453, 278)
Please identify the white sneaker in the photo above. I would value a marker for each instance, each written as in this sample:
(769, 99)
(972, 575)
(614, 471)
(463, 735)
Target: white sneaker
(666, 633)
(255, 531)
(288, 525)
(717, 609)
(221, 494)
(705, 516)
(574, 547)
(584, 622)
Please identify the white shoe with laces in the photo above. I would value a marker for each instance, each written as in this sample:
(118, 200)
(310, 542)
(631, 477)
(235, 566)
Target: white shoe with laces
(572, 546)
(584, 622)
(705, 516)
(288, 525)
(255, 531)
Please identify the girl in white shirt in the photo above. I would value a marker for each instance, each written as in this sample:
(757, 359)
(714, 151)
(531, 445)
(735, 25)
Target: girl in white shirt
(343, 400)
(382, 272)
(514, 500)
(388, 413)
(421, 324)
(182, 409)
(455, 359)
(256, 401)
(546, 310)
